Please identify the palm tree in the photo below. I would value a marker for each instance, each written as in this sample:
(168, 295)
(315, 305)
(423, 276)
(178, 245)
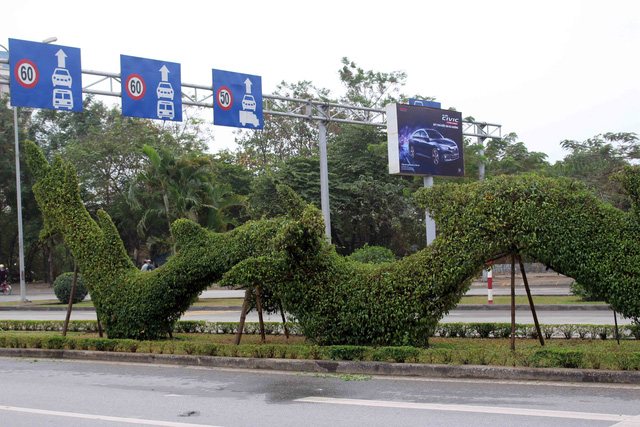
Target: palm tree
(183, 188)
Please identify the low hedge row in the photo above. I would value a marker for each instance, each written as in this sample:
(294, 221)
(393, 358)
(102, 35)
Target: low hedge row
(567, 331)
(450, 330)
(187, 327)
(598, 357)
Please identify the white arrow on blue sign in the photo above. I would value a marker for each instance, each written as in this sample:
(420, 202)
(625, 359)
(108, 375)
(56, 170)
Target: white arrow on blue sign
(45, 76)
(151, 89)
(237, 100)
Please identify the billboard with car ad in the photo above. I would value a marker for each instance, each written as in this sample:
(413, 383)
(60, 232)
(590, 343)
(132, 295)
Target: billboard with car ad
(424, 141)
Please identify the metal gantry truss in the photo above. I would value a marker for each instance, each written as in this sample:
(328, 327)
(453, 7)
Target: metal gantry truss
(108, 84)
(322, 112)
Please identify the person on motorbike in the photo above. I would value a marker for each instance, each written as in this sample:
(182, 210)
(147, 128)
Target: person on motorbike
(3, 275)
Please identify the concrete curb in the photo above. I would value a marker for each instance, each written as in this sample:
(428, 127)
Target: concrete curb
(343, 367)
(465, 307)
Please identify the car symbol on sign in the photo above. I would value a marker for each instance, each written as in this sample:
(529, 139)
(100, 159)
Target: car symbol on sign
(249, 103)
(61, 77)
(165, 90)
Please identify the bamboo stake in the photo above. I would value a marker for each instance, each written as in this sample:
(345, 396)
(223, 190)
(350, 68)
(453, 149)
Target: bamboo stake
(513, 301)
(284, 321)
(259, 305)
(533, 308)
(243, 315)
(70, 306)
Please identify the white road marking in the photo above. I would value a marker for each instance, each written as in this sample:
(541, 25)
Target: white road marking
(631, 422)
(101, 417)
(624, 420)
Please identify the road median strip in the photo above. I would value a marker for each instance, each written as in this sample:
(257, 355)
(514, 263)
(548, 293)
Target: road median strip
(340, 367)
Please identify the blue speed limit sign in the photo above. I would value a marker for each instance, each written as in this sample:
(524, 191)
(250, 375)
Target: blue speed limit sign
(238, 100)
(45, 76)
(151, 89)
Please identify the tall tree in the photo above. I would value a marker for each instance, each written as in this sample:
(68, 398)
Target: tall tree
(282, 137)
(596, 160)
(508, 156)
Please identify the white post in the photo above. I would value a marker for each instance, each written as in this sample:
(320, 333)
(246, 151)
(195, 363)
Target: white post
(429, 223)
(324, 179)
(23, 289)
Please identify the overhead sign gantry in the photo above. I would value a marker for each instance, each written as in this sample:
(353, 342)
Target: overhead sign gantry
(236, 98)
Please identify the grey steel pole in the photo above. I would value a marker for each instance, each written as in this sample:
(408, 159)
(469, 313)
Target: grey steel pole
(23, 290)
(481, 172)
(324, 179)
(430, 224)
(480, 131)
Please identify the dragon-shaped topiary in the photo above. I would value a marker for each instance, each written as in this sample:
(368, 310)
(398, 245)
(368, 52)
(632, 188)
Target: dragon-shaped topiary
(145, 305)
(555, 221)
(337, 301)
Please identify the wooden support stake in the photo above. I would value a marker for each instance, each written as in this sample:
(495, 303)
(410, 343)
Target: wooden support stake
(615, 319)
(243, 315)
(70, 306)
(533, 308)
(513, 301)
(284, 320)
(259, 304)
(100, 332)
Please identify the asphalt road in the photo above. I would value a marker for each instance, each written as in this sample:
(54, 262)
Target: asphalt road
(75, 393)
(556, 317)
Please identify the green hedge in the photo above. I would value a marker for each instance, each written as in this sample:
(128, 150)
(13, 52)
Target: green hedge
(596, 357)
(444, 330)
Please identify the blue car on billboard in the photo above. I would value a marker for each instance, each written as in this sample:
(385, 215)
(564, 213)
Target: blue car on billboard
(430, 143)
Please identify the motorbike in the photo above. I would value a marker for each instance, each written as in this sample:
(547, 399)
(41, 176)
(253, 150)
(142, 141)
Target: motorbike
(5, 288)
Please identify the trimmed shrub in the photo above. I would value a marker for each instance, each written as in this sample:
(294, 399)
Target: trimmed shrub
(396, 354)
(372, 254)
(62, 288)
(483, 330)
(345, 352)
(556, 357)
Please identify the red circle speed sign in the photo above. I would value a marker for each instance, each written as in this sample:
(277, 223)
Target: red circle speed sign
(26, 73)
(135, 86)
(224, 97)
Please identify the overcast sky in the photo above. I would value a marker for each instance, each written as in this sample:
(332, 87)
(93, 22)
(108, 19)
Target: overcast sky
(547, 70)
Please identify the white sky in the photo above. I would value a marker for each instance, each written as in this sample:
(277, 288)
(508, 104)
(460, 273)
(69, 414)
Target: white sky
(547, 70)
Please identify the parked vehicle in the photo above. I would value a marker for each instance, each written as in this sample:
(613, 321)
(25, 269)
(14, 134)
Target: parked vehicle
(430, 143)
